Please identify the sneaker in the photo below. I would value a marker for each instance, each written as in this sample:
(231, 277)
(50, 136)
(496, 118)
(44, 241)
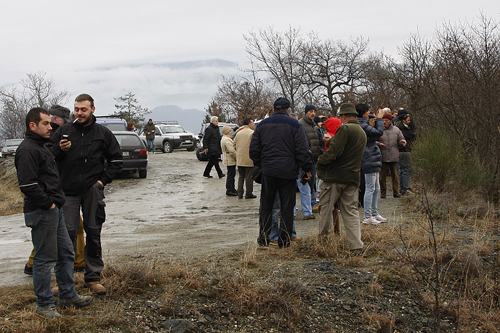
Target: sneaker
(296, 239)
(28, 270)
(231, 194)
(380, 218)
(371, 221)
(274, 243)
(251, 196)
(48, 312)
(78, 302)
(316, 209)
(222, 175)
(96, 287)
(397, 195)
(309, 217)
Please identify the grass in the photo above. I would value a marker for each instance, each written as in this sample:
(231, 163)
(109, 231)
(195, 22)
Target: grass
(11, 198)
(266, 286)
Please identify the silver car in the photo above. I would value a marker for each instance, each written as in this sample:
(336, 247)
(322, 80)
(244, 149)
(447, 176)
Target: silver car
(10, 147)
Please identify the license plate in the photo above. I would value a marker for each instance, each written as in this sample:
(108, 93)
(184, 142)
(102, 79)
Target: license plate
(126, 154)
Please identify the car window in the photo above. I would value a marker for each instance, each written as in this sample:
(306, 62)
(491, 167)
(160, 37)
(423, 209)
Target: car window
(12, 143)
(157, 131)
(128, 140)
(172, 129)
(114, 127)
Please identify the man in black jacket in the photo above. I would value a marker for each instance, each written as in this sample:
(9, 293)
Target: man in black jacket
(211, 145)
(81, 149)
(39, 181)
(279, 147)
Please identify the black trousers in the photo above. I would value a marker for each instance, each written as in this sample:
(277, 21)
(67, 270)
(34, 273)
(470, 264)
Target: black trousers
(92, 206)
(213, 161)
(231, 173)
(287, 192)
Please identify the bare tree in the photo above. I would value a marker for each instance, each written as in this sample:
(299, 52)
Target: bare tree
(276, 53)
(333, 68)
(34, 91)
(130, 110)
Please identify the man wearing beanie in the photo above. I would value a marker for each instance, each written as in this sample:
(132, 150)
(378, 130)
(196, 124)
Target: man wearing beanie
(339, 168)
(308, 190)
(279, 147)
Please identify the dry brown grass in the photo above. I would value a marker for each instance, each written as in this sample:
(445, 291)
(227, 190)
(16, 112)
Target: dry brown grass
(11, 198)
(378, 322)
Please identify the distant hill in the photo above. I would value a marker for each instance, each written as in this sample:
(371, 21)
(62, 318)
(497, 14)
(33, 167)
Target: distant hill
(190, 119)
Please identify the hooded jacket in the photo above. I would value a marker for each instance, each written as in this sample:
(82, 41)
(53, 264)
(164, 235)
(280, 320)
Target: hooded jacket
(94, 155)
(37, 174)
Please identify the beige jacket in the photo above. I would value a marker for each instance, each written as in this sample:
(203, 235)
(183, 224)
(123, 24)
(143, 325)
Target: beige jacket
(227, 145)
(242, 142)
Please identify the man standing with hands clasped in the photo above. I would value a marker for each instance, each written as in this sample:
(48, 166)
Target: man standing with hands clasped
(81, 149)
(43, 201)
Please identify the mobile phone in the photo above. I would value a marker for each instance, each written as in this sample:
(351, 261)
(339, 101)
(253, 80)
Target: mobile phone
(65, 136)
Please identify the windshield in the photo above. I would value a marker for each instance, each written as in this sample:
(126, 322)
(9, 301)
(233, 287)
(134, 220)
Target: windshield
(128, 140)
(115, 126)
(13, 143)
(171, 129)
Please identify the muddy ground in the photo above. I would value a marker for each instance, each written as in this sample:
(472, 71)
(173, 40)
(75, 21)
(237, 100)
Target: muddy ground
(174, 212)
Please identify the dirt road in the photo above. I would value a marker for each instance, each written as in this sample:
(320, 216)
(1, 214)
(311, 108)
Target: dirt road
(174, 212)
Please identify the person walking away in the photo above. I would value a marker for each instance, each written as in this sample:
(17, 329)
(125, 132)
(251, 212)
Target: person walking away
(88, 157)
(371, 163)
(243, 161)
(339, 168)
(388, 144)
(211, 146)
(279, 147)
(40, 183)
(229, 159)
(150, 131)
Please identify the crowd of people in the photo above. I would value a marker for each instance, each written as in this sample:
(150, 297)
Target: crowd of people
(336, 164)
(63, 167)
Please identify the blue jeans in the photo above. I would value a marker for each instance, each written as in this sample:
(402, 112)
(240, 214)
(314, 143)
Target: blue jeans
(372, 189)
(404, 172)
(53, 247)
(151, 142)
(305, 195)
(275, 230)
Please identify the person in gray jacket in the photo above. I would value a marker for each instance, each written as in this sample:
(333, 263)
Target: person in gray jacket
(389, 143)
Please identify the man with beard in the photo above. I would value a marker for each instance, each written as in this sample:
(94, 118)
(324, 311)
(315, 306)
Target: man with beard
(88, 157)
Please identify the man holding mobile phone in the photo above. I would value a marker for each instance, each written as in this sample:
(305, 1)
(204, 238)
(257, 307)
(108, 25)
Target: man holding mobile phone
(84, 174)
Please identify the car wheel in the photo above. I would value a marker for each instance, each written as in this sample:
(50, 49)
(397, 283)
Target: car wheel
(143, 173)
(167, 147)
(201, 156)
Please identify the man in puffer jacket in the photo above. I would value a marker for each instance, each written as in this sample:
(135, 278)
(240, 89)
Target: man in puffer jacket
(389, 143)
(371, 163)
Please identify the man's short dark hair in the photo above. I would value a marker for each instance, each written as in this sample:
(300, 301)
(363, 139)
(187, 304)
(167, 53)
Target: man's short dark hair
(85, 97)
(361, 109)
(247, 121)
(34, 116)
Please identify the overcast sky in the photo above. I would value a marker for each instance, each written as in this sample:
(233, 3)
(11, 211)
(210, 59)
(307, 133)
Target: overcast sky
(108, 47)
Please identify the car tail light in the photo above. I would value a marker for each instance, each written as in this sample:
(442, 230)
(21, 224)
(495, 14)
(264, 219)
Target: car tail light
(143, 152)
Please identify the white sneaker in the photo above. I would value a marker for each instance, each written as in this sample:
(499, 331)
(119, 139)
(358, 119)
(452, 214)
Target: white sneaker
(371, 221)
(380, 218)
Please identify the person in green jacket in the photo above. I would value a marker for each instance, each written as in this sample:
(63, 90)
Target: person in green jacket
(339, 168)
